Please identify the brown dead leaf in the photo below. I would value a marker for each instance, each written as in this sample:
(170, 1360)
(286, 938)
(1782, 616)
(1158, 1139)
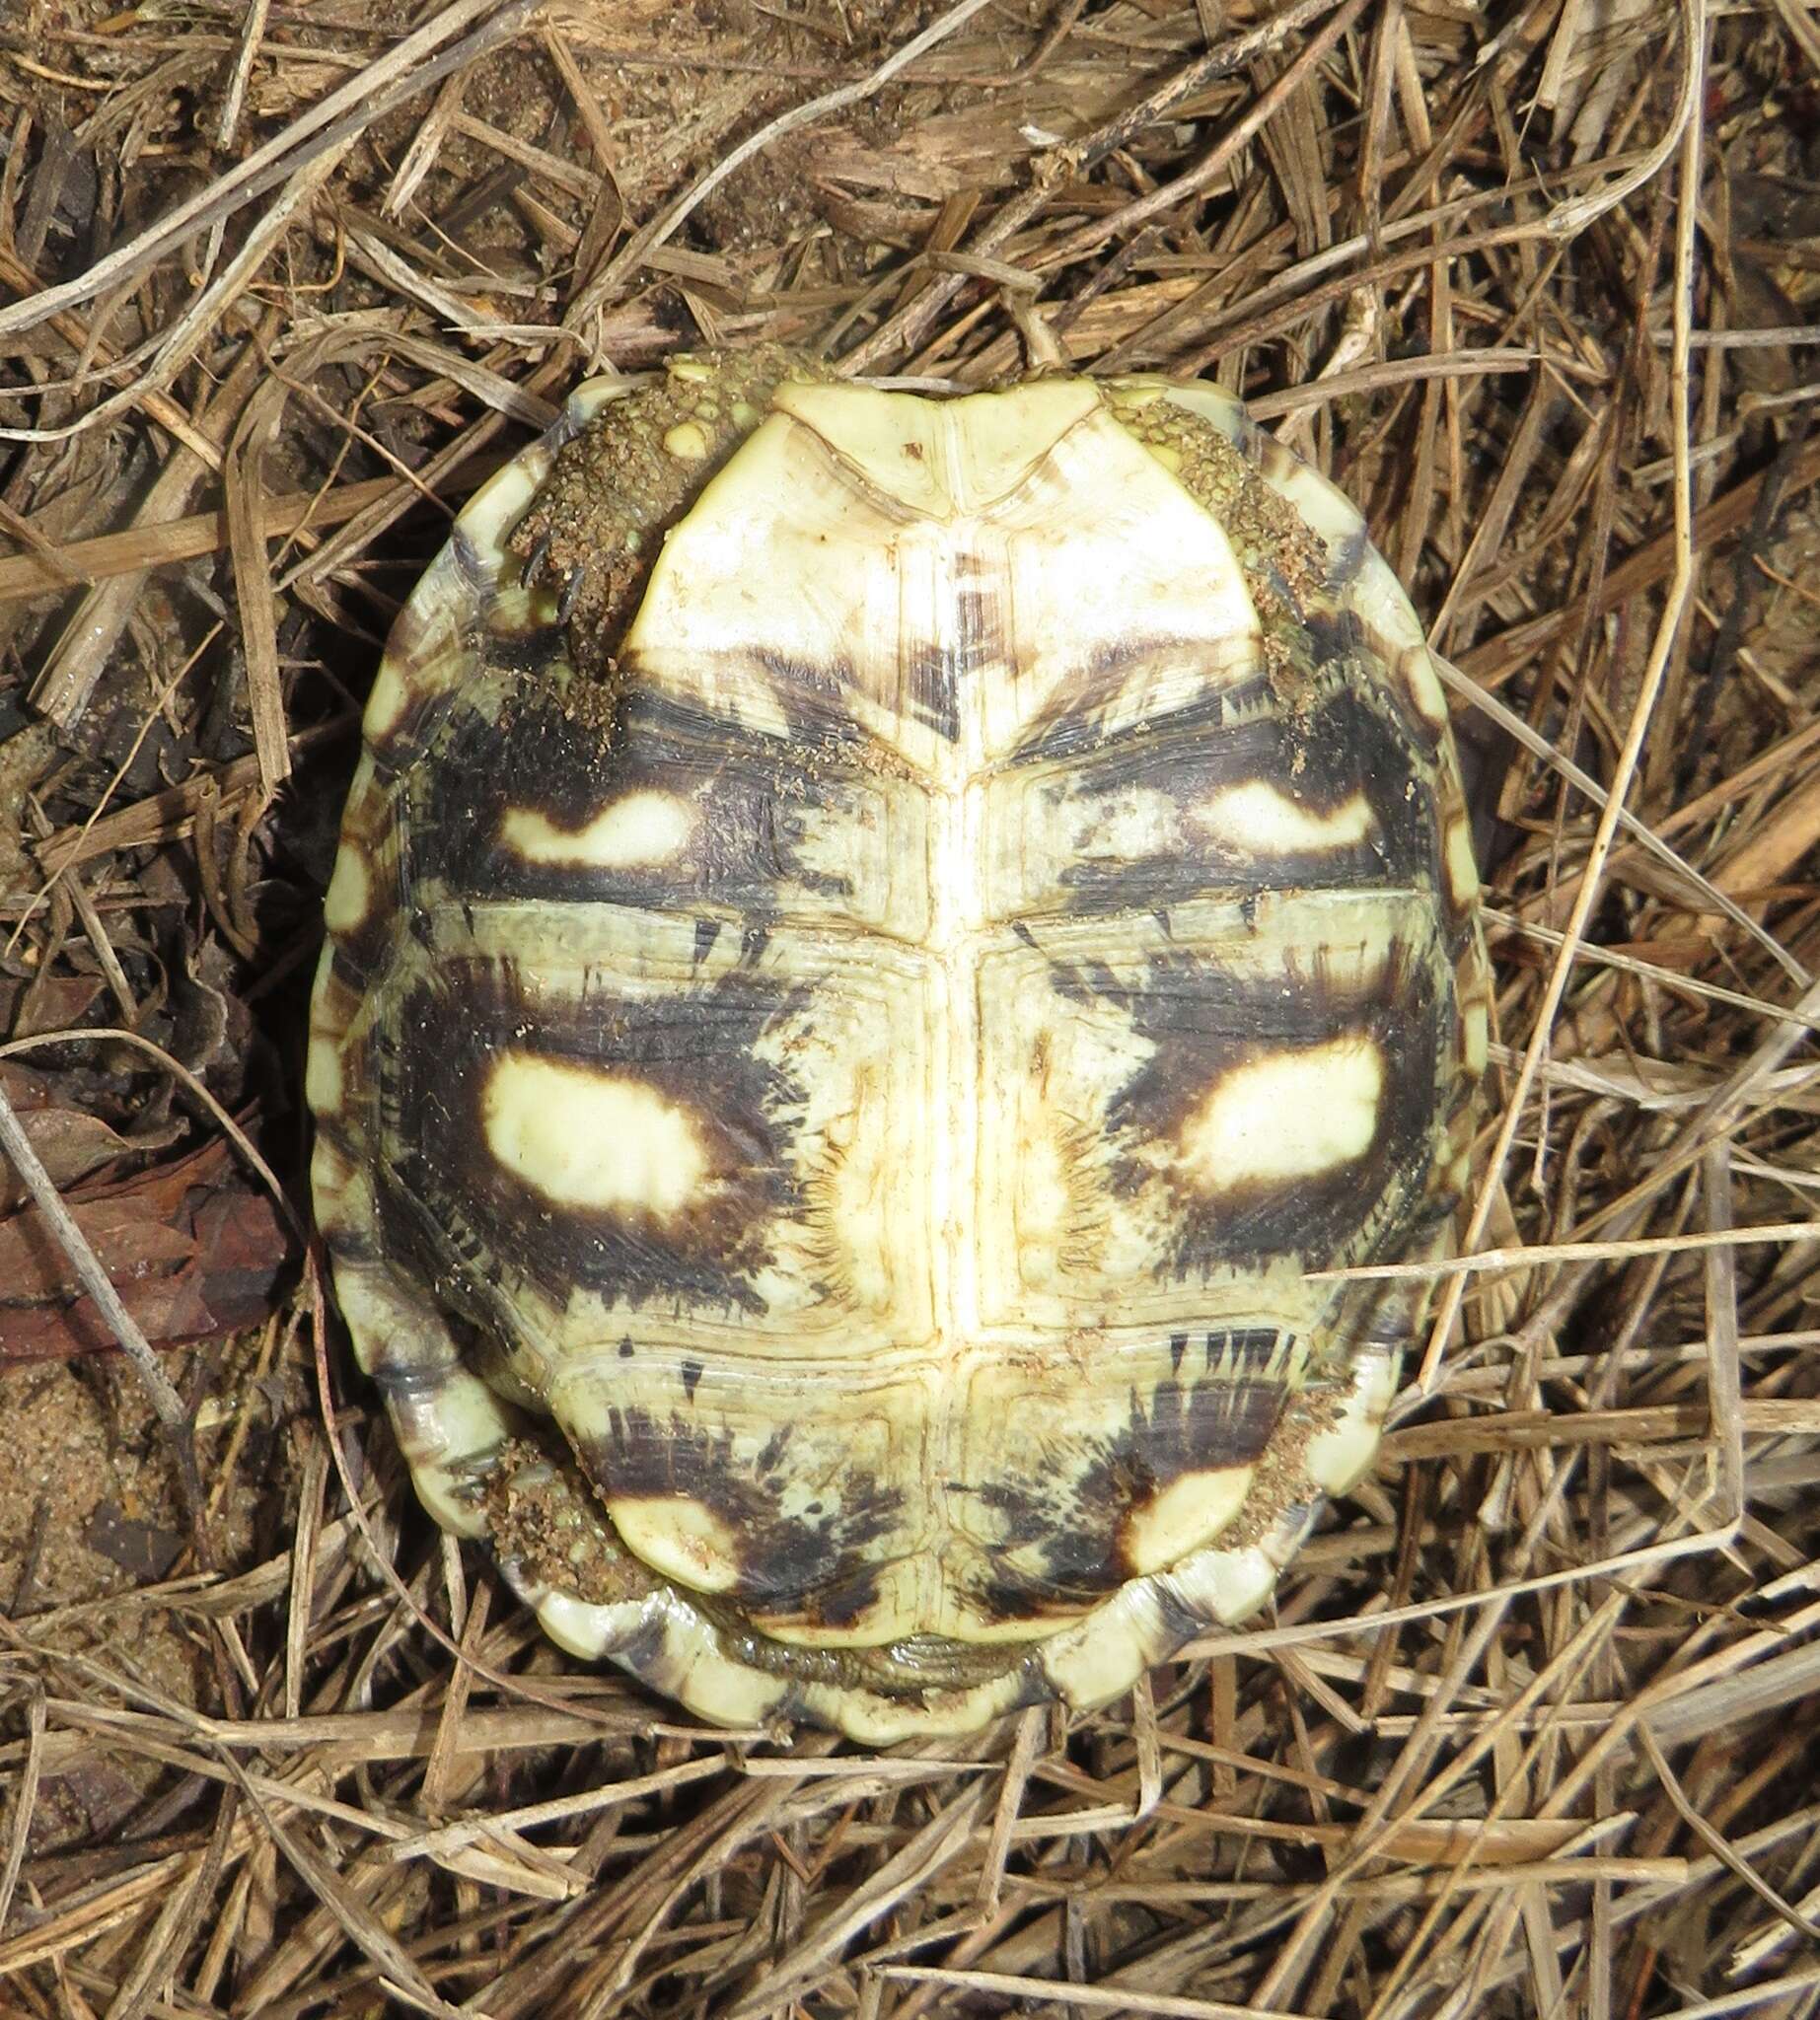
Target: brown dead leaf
(144, 1549)
(70, 1142)
(62, 1000)
(89, 1799)
(193, 1251)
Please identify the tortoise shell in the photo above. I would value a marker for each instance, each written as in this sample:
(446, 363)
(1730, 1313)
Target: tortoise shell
(878, 938)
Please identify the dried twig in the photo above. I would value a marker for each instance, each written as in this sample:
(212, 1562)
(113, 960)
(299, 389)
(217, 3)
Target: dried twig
(174, 1419)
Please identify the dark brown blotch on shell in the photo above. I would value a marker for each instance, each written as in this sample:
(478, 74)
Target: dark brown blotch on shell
(695, 1047)
(806, 1571)
(1203, 1021)
(1075, 719)
(1348, 746)
(1078, 1515)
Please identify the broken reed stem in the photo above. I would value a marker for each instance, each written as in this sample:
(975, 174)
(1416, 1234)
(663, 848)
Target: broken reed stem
(173, 1417)
(1089, 1998)
(1482, 1260)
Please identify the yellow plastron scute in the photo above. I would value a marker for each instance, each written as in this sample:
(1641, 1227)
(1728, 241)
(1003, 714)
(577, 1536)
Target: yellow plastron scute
(595, 527)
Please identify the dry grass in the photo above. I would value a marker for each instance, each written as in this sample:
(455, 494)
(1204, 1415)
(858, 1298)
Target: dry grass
(1533, 1729)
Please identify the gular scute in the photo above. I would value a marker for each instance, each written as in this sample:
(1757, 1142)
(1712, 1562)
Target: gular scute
(880, 939)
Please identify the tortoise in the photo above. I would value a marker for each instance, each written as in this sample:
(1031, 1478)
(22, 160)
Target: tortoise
(880, 938)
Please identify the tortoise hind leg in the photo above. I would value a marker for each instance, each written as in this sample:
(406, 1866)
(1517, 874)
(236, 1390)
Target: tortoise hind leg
(450, 1425)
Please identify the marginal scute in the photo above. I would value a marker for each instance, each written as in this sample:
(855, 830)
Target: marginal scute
(323, 1077)
(387, 703)
(883, 946)
(500, 503)
(1225, 1585)
(1426, 694)
(1340, 1455)
(1462, 865)
(1475, 1037)
(586, 402)
(349, 893)
(1091, 1667)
